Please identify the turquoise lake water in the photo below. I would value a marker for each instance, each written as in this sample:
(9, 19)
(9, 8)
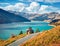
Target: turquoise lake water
(6, 30)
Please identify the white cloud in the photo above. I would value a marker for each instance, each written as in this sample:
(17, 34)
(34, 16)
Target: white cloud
(52, 0)
(10, 7)
(35, 0)
(34, 6)
(47, 9)
(40, 0)
(17, 7)
(31, 0)
(43, 7)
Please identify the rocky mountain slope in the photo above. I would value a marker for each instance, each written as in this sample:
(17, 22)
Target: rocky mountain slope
(48, 17)
(55, 22)
(7, 17)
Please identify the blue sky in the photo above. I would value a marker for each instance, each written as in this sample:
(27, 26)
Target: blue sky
(31, 6)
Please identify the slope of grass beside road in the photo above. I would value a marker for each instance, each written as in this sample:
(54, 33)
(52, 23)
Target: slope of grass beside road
(46, 38)
(10, 40)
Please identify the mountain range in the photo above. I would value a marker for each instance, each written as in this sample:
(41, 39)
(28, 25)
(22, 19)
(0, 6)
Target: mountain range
(7, 17)
(48, 17)
(13, 16)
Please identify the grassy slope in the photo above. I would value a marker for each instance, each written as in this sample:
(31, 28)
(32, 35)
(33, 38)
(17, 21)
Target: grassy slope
(10, 40)
(46, 38)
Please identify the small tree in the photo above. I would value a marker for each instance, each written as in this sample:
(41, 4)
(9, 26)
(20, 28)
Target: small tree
(21, 32)
(37, 30)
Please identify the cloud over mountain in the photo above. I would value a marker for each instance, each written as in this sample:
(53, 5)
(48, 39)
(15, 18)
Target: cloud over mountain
(34, 7)
(46, 9)
(17, 7)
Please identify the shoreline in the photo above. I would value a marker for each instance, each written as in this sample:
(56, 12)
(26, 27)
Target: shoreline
(52, 25)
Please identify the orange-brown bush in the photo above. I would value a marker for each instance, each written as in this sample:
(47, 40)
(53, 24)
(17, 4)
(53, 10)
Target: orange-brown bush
(46, 38)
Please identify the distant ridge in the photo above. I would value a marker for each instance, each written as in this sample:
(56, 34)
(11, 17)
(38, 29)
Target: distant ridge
(48, 17)
(56, 20)
(7, 17)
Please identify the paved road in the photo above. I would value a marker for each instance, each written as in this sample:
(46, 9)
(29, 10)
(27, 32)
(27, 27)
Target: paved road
(20, 41)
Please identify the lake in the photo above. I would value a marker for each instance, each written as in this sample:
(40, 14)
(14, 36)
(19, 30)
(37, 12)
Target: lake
(6, 30)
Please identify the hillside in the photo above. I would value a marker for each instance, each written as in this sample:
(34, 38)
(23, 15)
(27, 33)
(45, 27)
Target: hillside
(39, 17)
(11, 40)
(46, 38)
(55, 22)
(47, 17)
(7, 17)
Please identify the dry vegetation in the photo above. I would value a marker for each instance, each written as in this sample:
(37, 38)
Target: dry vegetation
(55, 23)
(46, 38)
(10, 40)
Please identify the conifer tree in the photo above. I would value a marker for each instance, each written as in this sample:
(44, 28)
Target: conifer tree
(21, 32)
